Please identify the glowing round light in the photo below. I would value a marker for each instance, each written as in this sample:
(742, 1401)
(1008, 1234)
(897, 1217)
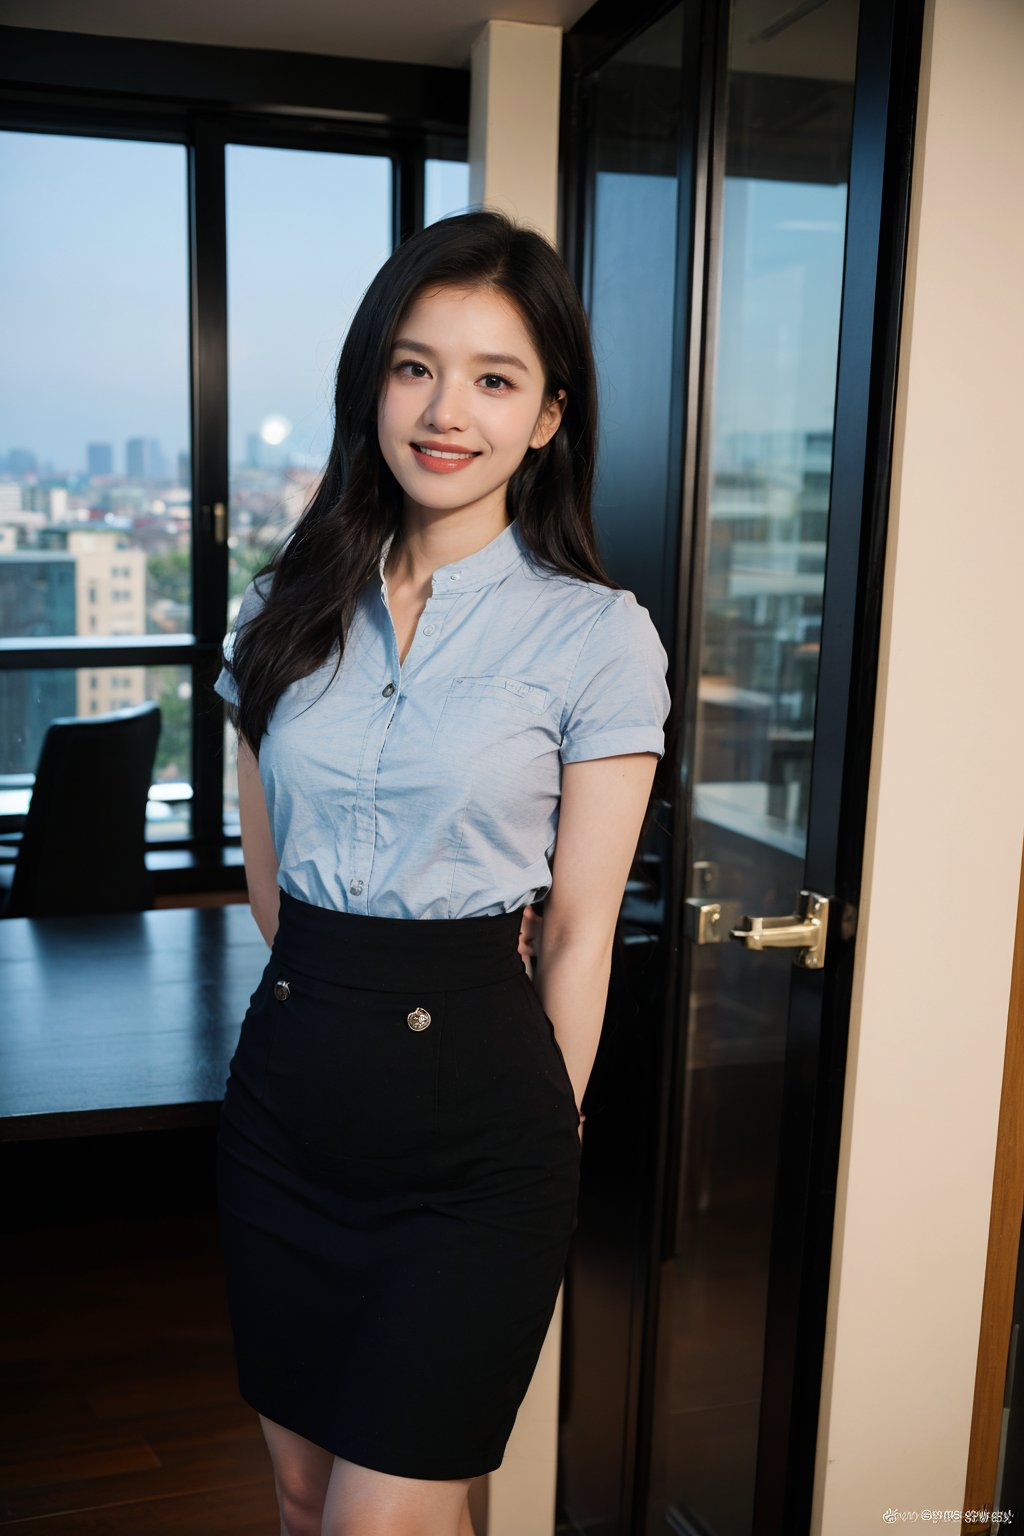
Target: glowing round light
(274, 430)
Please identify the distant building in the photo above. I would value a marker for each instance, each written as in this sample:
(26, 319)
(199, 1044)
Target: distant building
(37, 594)
(82, 582)
(100, 458)
(144, 459)
(28, 702)
(37, 597)
(23, 525)
(119, 499)
(22, 461)
(52, 500)
(184, 469)
(263, 455)
(74, 537)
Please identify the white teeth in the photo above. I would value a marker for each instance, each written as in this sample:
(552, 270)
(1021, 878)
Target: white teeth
(435, 453)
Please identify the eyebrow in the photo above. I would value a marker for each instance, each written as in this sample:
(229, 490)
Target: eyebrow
(506, 359)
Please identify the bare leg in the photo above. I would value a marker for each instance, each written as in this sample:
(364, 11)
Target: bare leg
(465, 1522)
(302, 1472)
(362, 1502)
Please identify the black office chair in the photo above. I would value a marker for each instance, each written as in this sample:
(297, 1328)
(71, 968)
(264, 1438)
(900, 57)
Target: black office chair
(83, 846)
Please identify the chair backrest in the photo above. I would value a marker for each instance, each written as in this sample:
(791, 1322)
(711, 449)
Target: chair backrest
(83, 847)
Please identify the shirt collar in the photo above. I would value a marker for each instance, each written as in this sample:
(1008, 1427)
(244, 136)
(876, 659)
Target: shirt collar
(505, 551)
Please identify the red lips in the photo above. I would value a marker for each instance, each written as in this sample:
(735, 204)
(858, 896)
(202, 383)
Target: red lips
(442, 466)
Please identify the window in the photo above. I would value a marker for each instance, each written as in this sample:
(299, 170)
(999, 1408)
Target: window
(294, 282)
(446, 189)
(94, 305)
(177, 299)
(30, 699)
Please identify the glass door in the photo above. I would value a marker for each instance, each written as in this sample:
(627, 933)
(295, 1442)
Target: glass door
(728, 1420)
(736, 209)
(778, 216)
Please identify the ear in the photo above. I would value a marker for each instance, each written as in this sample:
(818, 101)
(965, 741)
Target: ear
(548, 421)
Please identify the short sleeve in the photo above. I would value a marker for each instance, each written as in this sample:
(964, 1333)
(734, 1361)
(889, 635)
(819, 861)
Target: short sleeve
(252, 602)
(618, 699)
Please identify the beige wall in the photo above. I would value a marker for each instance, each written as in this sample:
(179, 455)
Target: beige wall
(513, 154)
(946, 815)
(513, 122)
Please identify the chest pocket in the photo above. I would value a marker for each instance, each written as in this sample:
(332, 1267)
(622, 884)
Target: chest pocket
(501, 698)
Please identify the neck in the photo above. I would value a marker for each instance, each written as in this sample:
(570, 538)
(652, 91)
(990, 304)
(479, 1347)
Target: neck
(429, 539)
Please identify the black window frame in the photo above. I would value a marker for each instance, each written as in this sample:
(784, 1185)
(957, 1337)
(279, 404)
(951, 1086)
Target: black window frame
(204, 97)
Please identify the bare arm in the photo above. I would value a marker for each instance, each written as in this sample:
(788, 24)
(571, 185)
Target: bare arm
(257, 843)
(602, 811)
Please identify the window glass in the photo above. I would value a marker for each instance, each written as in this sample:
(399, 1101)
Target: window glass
(30, 699)
(232, 824)
(306, 232)
(771, 449)
(445, 189)
(780, 216)
(95, 484)
(634, 195)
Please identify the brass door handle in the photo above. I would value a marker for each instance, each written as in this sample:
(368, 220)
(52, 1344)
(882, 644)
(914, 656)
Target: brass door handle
(805, 930)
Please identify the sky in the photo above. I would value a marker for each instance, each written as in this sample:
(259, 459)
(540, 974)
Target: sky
(94, 288)
(94, 292)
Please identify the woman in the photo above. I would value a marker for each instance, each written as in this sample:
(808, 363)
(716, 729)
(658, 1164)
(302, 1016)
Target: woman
(429, 678)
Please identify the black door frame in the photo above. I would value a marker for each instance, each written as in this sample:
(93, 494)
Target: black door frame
(884, 118)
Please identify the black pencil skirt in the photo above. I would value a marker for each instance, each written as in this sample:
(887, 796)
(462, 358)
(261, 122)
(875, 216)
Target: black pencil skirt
(397, 1174)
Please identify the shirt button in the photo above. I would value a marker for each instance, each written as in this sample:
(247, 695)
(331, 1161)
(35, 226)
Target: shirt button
(388, 691)
(428, 629)
(282, 991)
(455, 576)
(356, 887)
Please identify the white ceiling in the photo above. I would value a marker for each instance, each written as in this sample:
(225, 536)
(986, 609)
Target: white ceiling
(405, 30)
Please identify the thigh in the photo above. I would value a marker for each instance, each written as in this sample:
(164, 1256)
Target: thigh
(302, 1470)
(362, 1502)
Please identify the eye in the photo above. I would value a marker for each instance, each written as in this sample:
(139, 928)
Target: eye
(494, 382)
(412, 363)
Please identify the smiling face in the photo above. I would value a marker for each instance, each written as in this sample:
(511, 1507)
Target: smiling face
(465, 399)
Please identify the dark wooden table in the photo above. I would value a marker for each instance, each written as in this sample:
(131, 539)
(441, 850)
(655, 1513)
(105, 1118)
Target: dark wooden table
(121, 1023)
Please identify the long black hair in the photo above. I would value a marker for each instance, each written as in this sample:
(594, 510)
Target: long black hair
(313, 581)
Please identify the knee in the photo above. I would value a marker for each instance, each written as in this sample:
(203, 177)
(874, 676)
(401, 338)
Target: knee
(301, 1512)
(383, 1521)
(384, 1525)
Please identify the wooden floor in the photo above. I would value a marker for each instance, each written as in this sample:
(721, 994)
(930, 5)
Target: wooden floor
(119, 1406)
(119, 1412)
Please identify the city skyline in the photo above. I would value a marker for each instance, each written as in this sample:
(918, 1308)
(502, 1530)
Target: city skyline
(120, 464)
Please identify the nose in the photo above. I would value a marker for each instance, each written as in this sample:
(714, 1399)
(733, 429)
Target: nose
(447, 409)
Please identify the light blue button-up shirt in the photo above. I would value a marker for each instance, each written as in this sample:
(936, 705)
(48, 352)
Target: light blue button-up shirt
(431, 789)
